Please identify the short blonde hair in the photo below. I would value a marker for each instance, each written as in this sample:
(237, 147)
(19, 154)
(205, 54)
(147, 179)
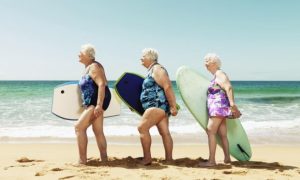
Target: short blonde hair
(88, 49)
(213, 58)
(150, 53)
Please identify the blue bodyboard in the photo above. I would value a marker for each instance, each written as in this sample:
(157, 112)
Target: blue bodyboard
(129, 89)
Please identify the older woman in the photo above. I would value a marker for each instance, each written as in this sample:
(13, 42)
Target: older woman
(159, 102)
(221, 105)
(96, 97)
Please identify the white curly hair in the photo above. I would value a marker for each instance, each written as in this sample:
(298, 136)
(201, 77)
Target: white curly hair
(88, 49)
(213, 58)
(151, 54)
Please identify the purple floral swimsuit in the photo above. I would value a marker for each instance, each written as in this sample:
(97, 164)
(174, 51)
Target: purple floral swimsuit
(217, 101)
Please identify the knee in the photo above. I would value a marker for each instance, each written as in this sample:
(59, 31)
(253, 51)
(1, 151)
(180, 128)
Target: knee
(79, 128)
(223, 135)
(98, 131)
(210, 131)
(164, 133)
(142, 129)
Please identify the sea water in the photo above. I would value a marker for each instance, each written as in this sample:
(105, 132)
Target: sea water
(271, 113)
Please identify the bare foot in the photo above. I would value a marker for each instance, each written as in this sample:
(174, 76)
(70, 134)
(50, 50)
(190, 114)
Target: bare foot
(168, 161)
(104, 157)
(207, 164)
(77, 164)
(227, 161)
(146, 162)
(81, 162)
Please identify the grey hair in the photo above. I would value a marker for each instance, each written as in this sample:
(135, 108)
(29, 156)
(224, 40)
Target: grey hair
(150, 53)
(214, 58)
(88, 49)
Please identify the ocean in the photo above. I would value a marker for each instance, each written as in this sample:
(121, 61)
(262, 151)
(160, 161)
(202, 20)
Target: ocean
(271, 114)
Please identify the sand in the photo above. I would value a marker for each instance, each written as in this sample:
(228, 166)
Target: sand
(58, 161)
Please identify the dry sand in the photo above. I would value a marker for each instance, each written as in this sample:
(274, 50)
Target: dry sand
(57, 161)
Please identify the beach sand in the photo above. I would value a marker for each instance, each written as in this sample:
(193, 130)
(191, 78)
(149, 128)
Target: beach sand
(57, 161)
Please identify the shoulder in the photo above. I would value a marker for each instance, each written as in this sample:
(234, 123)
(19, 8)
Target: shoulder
(95, 67)
(221, 74)
(159, 70)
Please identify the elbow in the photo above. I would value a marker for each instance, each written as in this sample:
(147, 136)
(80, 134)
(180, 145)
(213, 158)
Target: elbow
(101, 85)
(167, 88)
(228, 89)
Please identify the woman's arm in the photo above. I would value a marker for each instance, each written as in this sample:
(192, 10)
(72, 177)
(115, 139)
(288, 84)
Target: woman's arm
(97, 74)
(162, 79)
(224, 83)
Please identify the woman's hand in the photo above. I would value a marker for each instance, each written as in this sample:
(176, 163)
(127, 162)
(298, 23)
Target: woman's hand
(98, 111)
(173, 111)
(235, 112)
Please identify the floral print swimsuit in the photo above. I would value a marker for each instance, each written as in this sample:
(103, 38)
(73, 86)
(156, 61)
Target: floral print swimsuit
(217, 101)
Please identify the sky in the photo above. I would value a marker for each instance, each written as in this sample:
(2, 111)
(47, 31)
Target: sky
(255, 39)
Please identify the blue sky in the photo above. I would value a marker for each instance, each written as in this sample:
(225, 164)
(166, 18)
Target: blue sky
(256, 39)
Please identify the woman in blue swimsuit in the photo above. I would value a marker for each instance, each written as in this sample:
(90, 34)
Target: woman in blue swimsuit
(159, 102)
(96, 97)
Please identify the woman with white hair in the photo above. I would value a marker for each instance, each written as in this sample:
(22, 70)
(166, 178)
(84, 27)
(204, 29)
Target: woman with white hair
(96, 98)
(221, 105)
(159, 102)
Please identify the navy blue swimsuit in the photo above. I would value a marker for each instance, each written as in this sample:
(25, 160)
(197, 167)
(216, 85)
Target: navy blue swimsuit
(89, 92)
(153, 95)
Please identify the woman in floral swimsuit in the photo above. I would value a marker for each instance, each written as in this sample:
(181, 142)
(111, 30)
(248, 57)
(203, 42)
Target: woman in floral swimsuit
(221, 105)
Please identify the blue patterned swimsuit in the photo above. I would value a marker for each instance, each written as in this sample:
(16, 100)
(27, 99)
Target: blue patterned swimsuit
(89, 92)
(153, 95)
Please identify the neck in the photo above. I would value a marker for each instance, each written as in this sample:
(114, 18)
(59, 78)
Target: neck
(213, 71)
(88, 63)
(151, 65)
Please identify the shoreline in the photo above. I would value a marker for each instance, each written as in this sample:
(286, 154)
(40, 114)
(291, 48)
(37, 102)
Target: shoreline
(135, 140)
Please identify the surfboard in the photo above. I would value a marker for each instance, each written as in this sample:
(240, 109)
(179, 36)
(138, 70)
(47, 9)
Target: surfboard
(193, 90)
(67, 102)
(129, 88)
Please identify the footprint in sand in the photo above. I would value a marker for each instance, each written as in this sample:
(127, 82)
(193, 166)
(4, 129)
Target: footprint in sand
(104, 173)
(26, 160)
(42, 173)
(165, 178)
(235, 172)
(56, 169)
(67, 177)
(89, 172)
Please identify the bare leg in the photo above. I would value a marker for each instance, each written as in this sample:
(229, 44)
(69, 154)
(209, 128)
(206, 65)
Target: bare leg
(163, 128)
(100, 138)
(223, 135)
(80, 129)
(212, 128)
(150, 118)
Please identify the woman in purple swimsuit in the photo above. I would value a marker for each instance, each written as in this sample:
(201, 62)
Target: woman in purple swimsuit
(221, 105)
(96, 97)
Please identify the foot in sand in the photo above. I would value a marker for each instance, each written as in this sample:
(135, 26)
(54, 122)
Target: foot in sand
(145, 162)
(79, 164)
(168, 162)
(227, 161)
(104, 157)
(207, 164)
